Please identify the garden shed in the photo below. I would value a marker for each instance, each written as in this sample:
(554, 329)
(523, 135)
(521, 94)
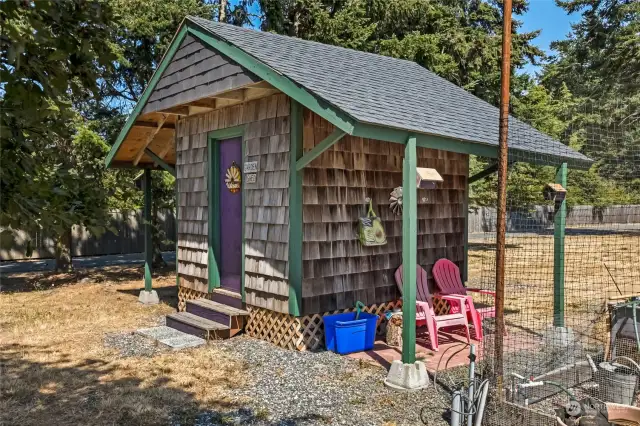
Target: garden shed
(277, 145)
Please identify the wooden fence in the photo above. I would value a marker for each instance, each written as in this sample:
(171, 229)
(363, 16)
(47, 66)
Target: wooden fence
(129, 239)
(540, 218)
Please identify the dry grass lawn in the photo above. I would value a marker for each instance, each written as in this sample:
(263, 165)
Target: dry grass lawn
(529, 278)
(55, 368)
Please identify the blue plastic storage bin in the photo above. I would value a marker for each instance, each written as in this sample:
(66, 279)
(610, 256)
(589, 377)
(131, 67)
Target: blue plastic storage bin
(344, 334)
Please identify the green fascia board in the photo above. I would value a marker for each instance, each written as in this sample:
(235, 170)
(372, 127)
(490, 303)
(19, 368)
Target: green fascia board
(160, 162)
(333, 114)
(330, 113)
(319, 149)
(164, 63)
(387, 134)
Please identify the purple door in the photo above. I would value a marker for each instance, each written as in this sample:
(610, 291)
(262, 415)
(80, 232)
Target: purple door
(230, 214)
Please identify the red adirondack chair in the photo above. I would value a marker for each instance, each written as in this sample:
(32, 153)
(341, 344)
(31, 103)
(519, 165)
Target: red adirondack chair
(424, 308)
(447, 276)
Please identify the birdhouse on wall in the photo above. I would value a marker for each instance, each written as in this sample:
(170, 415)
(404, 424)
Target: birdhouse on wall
(554, 192)
(427, 178)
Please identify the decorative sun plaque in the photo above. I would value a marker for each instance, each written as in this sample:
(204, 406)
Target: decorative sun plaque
(233, 178)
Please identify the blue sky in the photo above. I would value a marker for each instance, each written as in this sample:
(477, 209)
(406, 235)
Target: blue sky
(551, 19)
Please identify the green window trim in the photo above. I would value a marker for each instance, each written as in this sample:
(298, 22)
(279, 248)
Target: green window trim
(213, 198)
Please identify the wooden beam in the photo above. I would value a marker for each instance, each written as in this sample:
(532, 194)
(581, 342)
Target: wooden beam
(176, 110)
(254, 93)
(261, 85)
(148, 124)
(206, 103)
(160, 162)
(152, 135)
(165, 150)
(193, 110)
(319, 149)
(233, 95)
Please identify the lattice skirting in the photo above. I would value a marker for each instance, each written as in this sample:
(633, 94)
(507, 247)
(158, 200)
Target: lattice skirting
(185, 294)
(303, 333)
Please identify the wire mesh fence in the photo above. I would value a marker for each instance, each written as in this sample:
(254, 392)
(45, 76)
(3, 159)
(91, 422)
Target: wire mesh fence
(572, 272)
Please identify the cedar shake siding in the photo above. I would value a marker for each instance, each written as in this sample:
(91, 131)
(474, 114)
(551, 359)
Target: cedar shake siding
(337, 269)
(266, 229)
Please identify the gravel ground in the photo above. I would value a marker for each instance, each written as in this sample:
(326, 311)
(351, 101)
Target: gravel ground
(305, 388)
(130, 343)
(302, 388)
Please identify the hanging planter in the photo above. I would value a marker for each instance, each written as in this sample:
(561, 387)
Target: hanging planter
(395, 201)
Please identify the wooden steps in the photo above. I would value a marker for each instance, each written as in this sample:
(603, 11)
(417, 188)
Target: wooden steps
(227, 297)
(209, 319)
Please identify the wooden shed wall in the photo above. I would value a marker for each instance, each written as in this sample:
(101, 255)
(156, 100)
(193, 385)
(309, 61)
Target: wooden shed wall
(337, 269)
(196, 72)
(266, 140)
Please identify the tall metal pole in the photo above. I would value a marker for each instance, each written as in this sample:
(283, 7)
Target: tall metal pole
(502, 188)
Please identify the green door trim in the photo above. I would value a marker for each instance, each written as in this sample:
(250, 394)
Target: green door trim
(213, 197)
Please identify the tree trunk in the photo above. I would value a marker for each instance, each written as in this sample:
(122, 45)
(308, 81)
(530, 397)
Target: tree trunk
(63, 252)
(222, 13)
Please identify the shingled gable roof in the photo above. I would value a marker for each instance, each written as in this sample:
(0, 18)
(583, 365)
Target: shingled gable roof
(397, 97)
(386, 91)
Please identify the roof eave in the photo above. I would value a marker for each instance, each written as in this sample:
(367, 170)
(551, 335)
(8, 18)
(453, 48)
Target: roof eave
(166, 60)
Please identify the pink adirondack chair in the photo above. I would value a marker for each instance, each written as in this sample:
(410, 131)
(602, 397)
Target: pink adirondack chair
(424, 308)
(447, 276)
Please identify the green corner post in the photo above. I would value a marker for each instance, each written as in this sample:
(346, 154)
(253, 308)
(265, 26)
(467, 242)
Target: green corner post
(409, 251)
(559, 224)
(148, 238)
(295, 211)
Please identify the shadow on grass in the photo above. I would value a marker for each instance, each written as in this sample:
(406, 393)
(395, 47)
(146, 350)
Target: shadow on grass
(65, 392)
(60, 390)
(37, 281)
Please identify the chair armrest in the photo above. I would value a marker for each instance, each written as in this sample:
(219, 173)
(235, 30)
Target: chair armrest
(455, 299)
(422, 306)
(482, 291)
